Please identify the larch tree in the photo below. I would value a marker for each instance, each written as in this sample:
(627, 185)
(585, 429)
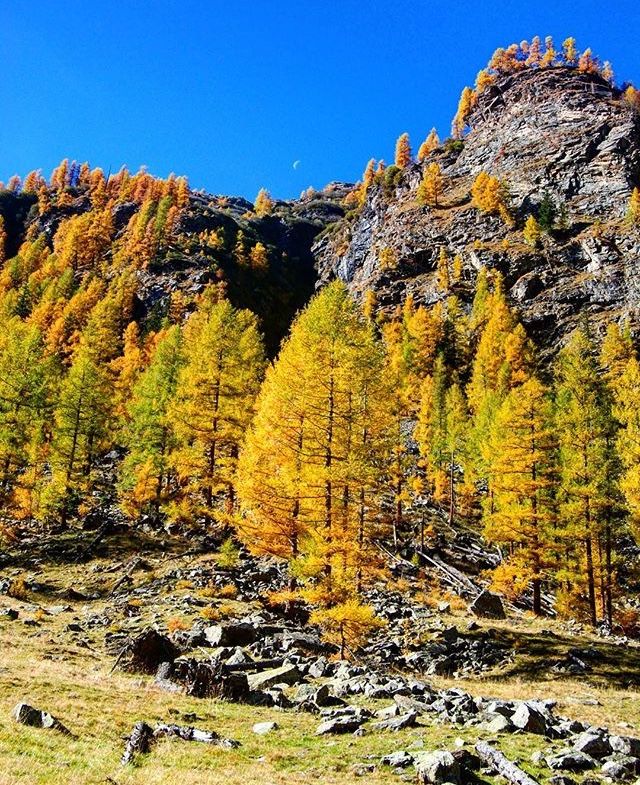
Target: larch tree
(588, 474)
(403, 151)
(26, 378)
(431, 186)
(570, 52)
(465, 105)
(147, 479)
(531, 232)
(213, 406)
(522, 478)
(80, 434)
(456, 442)
(263, 204)
(310, 476)
(627, 412)
(431, 143)
(443, 277)
(633, 210)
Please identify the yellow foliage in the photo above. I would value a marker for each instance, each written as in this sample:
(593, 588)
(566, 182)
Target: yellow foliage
(431, 187)
(403, 151)
(263, 204)
(633, 211)
(490, 195)
(431, 143)
(387, 259)
(348, 624)
(532, 233)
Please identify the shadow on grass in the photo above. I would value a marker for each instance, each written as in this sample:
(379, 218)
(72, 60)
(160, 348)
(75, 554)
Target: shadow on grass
(537, 652)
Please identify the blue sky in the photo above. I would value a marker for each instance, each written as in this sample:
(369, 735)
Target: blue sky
(231, 94)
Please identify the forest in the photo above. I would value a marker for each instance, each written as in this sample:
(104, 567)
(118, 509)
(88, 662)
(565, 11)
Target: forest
(328, 451)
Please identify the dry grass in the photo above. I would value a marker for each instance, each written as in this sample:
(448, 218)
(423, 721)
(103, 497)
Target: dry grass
(67, 674)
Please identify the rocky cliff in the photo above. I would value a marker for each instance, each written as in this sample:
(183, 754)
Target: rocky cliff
(558, 132)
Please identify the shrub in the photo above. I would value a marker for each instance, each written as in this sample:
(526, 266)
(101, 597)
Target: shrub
(174, 624)
(18, 589)
(228, 592)
(347, 624)
(228, 554)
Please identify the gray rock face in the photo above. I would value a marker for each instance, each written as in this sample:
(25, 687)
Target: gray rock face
(555, 132)
(625, 744)
(407, 720)
(437, 767)
(347, 724)
(594, 744)
(230, 634)
(397, 760)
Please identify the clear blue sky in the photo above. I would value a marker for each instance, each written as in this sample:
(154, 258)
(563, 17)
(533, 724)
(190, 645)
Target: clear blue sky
(232, 93)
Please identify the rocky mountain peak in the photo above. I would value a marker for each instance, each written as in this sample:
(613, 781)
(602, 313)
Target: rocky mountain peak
(556, 134)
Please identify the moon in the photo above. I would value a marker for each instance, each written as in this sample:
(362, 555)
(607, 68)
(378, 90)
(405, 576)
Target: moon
(296, 164)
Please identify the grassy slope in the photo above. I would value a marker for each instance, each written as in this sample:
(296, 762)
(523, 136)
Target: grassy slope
(68, 674)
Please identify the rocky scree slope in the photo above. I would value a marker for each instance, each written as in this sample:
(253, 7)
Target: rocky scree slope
(556, 131)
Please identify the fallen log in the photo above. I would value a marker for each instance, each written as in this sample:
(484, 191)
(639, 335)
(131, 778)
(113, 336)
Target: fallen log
(253, 665)
(143, 737)
(139, 742)
(494, 758)
(187, 733)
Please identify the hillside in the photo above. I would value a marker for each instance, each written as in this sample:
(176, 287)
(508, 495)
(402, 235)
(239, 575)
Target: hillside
(346, 486)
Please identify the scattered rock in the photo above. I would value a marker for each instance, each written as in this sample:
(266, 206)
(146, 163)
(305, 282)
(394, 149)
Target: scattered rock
(397, 760)
(262, 728)
(230, 634)
(437, 768)
(626, 745)
(347, 724)
(398, 723)
(145, 652)
(529, 719)
(35, 718)
(287, 674)
(571, 760)
(593, 744)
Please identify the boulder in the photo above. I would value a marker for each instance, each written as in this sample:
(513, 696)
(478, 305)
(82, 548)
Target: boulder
(145, 652)
(35, 718)
(262, 728)
(397, 723)
(529, 719)
(627, 745)
(286, 674)
(231, 634)
(437, 767)
(571, 760)
(488, 606)
(499, 724)
(593, 744)
(616, 771)
(347, 724)
(397, 760)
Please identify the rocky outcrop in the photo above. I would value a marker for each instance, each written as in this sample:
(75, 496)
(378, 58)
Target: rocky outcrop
(557, 132)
